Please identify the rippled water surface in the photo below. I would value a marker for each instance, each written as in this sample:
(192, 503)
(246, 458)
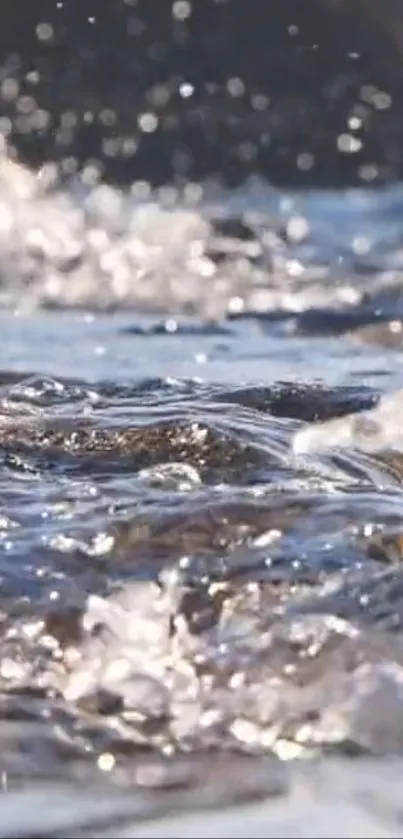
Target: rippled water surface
(201, 464)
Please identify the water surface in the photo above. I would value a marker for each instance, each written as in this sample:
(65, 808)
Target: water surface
(187, 590)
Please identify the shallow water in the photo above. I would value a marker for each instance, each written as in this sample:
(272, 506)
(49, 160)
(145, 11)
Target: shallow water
(195, 575)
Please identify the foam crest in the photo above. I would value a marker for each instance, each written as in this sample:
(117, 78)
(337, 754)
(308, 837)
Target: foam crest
(379, 429)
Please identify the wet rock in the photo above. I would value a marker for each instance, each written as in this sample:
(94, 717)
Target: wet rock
(205, 449)
(306, 402)
(180, 329)
(386, 547)
(203, 530)
(388, 335)
(334, 322)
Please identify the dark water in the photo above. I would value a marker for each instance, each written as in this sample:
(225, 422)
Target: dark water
(303, 92)
(201, 502)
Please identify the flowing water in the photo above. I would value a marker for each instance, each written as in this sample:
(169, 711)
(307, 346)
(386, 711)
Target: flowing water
(201, 521)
